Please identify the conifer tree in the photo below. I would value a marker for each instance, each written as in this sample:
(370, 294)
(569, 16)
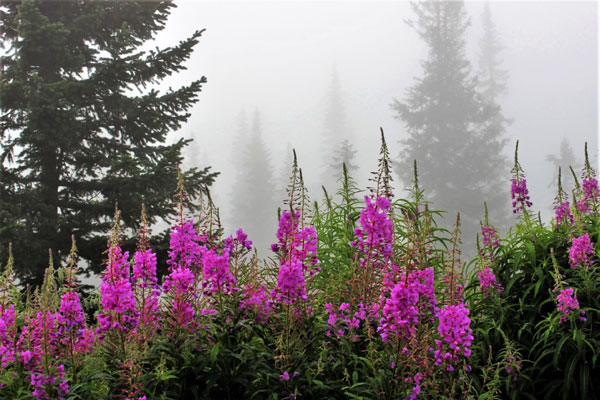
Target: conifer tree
(492, 78)
(461, 162)
(253, 207)
(566, 160)
(337, 145)
(81, 126)
(283, 177)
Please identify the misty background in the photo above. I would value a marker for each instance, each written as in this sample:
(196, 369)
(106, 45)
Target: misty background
(280, 74)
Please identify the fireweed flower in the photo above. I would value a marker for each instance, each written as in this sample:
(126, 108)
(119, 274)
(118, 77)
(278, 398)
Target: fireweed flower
(147, 291)
(562, 213)
(591, 193)
(185, 250)
(291, 284)
(8, 332)
(567, 302)
(580, 252)
(409, 300)
(217, 278)
(520, 195)
(144, 268)
(487, 281)
(256, 299)
(297, 249)
(118, 300)
(179, 285)
(489, 237)
(73, 333)
(375, 236)
(39, 340)
(454, 328)
(241, 238)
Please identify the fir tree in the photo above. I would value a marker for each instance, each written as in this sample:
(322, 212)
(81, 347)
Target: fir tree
(252, 198)
(491, 77)
(337, 145)
(492, 82)
(344, 154)
(283, 178)
(461, 161)
(565, 159)
(81, 127)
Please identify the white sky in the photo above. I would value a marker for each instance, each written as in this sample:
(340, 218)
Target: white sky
(278, 57)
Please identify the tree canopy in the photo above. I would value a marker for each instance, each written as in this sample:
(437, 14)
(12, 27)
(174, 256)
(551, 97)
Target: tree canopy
(82, 126)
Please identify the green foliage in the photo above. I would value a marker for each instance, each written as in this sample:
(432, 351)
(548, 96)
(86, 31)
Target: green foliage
(80, 130)
(559, 359)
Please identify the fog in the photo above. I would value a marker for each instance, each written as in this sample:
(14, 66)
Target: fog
(278, 60)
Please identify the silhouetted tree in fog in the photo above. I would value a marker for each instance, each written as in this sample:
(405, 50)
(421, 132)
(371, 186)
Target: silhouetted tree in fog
(336, 144)
(253, 206)
(492, 84)
(564, 159)
(283, 177)
(460, 158)
(343, 154)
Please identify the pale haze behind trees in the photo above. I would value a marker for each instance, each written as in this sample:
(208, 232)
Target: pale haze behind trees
(278, 56)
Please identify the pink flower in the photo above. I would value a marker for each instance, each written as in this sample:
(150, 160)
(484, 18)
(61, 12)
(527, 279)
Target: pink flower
(454, 328)
(297, 249)
(562, 213)
(217, 276)
(144, 268)
(519, 195)
(580, 252)
(256, 299)
(567, 302)
(185, 250)
(487, 280)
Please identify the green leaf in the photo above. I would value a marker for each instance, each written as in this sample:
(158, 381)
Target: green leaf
(214, 352)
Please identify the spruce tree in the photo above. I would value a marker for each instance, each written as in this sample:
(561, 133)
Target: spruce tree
(344, 154)
(492, 78)
(492, 84)
(461, 162)
(82, 127)
(253, 207)
(566, 160)
(337, 145)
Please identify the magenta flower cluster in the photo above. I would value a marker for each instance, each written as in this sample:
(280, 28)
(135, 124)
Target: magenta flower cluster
(147, 290)
(487, 279)
(489, 237)
(376, 233)
(488, 282)
(562, 213)
(184, 247)
(119, 311)
(40, 338)
(409, 300)
(454, 328)
(591, 193)
(73, 332)
(241, 238)
(567, 302)
(297, 249)
(581, 251)
(8, 332)
(179, 285)
(342, 321)
(217, 278)
(256, 299)
(520, 195)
